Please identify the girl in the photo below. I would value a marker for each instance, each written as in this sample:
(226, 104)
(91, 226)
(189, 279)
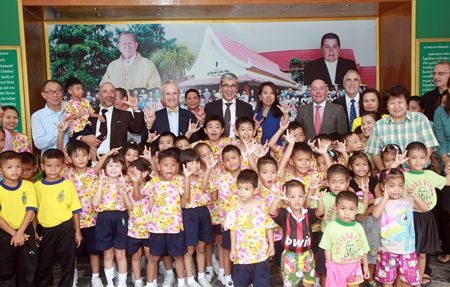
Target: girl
(111, 200)
(368, 121)
(14, 140)
(130, 152)
(397, 256)
(138, 218)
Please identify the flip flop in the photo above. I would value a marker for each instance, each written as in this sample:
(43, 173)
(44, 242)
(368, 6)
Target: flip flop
(426, 281)
(443, 258)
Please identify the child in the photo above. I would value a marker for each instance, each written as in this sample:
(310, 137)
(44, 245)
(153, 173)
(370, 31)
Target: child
(213, 129)
(14, 140)
(389, 153)
(167, 194)
(251, 234)
(85, 180)
(424, 183)
(166, 140)
(59, 221)
(181, 142)
(196, 216)
(297, 259)
(138, 219)
(78, 110)
(29, 166)
(18, 207)
(130, 152)
(368, 120)
(345, 245)
(245, 131)
(111, 201)
(294, 128)
(352, 142)
(397, 254)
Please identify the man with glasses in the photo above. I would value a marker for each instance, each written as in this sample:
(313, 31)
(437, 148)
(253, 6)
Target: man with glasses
(44, 121)
(432, 99)
(320, 116)
(229, 108)
(350, 102)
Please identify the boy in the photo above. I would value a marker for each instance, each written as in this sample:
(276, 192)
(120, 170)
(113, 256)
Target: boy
(251, 234)
(294, 128)
(29, 167)
(213, 129)
(345, 245)
(297, 259)
(352, 142)
(17, 209)
(59, 221)
(167, 195)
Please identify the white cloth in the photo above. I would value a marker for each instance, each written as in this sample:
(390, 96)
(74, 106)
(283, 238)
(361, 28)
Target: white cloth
(331, 67)
(104, 147)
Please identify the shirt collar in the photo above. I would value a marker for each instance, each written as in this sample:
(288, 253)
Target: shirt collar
(304, 211)
(108, 108)
(49, 111)
(391, 120)
(225, 101)
(348, 100)
(322, 105)
(130, 60)
(172, 111)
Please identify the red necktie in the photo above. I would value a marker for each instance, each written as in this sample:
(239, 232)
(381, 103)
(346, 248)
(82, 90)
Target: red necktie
(317, 120)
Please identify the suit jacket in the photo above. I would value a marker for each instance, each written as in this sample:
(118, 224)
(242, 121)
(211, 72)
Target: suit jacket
(317, 69)
(216, 108)
(161, 123)
(121, 123)
(334, 120)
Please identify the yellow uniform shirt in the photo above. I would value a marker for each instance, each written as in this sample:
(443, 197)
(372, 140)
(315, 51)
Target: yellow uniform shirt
(16, 201)
(57, 202)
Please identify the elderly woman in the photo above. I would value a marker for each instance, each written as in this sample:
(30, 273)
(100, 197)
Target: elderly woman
(192, 101)
(269, 111)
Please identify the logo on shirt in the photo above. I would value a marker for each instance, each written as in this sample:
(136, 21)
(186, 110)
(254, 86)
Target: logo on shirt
(24, 197)
(60, 196)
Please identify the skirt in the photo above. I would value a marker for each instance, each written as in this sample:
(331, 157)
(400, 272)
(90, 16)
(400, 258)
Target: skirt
(427, 236)
(443, 200)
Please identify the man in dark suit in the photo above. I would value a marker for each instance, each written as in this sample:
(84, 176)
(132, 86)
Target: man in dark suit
(330, 68)
(114, 132)
(320, 116)
(229, 108)
(350, 102)
(171, 118)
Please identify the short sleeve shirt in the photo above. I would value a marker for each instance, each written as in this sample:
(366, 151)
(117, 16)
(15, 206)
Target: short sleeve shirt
(198, 197)
(16, 201)
(112, 197)
(423, 183)
(329, 200)
(139, 217)
(74, 107)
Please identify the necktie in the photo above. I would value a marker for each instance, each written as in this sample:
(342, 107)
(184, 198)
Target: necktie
(352, 114)
(227, 119)
(169, 111)
(317, 120)
(103, 127)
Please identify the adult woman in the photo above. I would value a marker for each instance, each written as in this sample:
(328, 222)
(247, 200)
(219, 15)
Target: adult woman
(441, 128)
(192, 101)
(370, 102)
(14, 140)
(268, 111)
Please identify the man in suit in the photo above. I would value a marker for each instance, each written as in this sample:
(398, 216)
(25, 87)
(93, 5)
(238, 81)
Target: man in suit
(118, 122)
(320, 116)
(229, 108)
(433, 98)
(171, 118)
(330, 68)
(350, 102)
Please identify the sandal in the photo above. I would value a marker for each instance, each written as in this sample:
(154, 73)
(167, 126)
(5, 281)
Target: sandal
(444, 258)
(426, 281)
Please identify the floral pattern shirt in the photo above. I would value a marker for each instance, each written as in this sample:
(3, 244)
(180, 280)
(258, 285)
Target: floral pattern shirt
(225, 184)
(139, 217)
(21, 143)
(268, 196)
(112, 196)
(251, 235)
(73, 107)
(198, 196)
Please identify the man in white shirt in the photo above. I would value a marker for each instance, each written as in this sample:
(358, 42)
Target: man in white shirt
(350, 103)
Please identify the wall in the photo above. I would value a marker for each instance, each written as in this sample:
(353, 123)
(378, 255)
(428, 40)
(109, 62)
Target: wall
(9, 29)
(432, 19)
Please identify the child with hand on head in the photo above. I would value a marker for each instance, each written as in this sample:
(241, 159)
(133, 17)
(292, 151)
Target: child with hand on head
(59, 221)
(345, 245)
(111, 202)
(297, 259)
(250, 233)
(18, 207)
(397, 256)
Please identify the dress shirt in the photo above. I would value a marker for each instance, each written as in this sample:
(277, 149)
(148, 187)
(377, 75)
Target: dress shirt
(331, 67)
(322, 108)
(174, 117)
(104, 147)
(348, 102)
(232, 113)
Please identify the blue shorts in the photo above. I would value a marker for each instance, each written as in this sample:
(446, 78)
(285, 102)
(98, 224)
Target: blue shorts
(88, 243)
(217, 229)
(111, 230)
(226, 240)
(197, 225)
(257, 274)
(133, 244)
(162, 244)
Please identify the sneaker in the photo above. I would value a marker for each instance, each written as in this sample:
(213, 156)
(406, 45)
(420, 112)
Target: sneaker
(97, 282)
(139, 283)
(229, 284)
(215, 264)
(194, 284)
(204, 282)
(162, 268)
(209, 276)
(169, 279)
(221, 279)
(75, 278)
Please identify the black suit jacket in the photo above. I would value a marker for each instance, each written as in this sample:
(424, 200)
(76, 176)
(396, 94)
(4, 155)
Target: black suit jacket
(317, 69)
(121, 123)
(216, 108)
(161, 124)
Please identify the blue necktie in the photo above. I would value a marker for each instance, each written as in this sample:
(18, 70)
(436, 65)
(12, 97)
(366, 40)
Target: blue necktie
(352, 114)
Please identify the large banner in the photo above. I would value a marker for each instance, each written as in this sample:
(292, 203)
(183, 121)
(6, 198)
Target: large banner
(138, 57)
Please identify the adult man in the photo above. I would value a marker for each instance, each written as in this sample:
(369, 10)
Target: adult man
(320, 116)
(113, 132)
(229, 108)
(432, 99)
(171, 118)
(44, 121)
(131, 70)
(350, 102)
(330, 68)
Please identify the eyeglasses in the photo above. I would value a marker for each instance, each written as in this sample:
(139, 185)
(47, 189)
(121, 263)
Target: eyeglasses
(440, 74)
(226, 86)
(53, 92)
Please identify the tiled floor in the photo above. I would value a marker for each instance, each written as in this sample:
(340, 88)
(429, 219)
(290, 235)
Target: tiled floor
(441, 275)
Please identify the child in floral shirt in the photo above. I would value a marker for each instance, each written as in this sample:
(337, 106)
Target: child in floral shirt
(251, 233)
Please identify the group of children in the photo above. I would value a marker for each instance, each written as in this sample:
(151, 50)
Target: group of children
(311, 210)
